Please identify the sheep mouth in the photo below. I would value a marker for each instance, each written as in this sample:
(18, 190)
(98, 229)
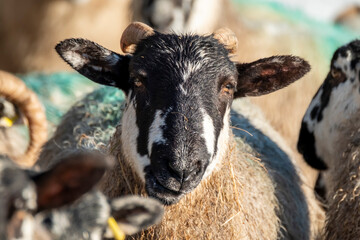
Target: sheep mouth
(156, 190)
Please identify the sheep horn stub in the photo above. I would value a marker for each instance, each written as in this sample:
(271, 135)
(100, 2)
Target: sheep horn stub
(132, 35)
(228, 38)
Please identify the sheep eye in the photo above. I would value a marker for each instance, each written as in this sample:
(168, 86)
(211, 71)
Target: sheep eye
(47, 221)
(138, 83)
(336, 73)
(229, 86)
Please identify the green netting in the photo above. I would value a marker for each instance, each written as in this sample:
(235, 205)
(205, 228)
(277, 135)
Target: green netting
(106, 104)
(58, 91)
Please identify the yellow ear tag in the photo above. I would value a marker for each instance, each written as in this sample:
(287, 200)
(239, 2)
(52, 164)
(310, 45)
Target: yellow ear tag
(6, 122)
(118, 233)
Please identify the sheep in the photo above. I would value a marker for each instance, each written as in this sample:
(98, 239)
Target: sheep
(32, 204)
(18, 100)
(30, 29)
(329, 141)
(173, 140)
(24, 192)
(264, 30)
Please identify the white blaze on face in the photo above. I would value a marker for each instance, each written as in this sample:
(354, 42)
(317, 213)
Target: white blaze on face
(129, 135)
(156, 130)
(208, 133)
(222, 144)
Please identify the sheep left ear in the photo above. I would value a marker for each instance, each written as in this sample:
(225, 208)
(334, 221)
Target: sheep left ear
(96, 62)
(134, 214)
(269, 74)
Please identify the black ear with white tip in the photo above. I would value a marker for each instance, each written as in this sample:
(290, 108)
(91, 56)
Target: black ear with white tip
(96, 62)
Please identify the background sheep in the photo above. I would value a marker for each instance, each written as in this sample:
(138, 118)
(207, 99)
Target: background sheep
(235, 215)
(31, 201)
(329, 140)
(24, 193)
(20, 101)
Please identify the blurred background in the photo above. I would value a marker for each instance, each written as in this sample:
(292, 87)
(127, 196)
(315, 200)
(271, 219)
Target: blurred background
(312, 29)
(323, 10)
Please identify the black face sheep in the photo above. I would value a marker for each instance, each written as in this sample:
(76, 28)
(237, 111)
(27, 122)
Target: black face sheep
(174, 137)
(330, 141)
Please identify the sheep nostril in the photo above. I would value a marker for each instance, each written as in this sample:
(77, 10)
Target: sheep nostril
(178, 174)
(198, 168)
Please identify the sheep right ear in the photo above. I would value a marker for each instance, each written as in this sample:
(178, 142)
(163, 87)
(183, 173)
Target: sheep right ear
(135, 213)
(267, 75)
(74, 175)
(96, 62)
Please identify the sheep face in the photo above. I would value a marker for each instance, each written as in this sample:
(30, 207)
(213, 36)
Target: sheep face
(175, 126)
(178, 15)
(326, 121)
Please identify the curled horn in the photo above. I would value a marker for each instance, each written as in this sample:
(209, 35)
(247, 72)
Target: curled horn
(133, 34)
(15, 91)
(228, 38)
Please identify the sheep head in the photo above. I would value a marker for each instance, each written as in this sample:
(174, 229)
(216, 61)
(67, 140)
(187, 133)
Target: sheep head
(179, 88)
(332, 116)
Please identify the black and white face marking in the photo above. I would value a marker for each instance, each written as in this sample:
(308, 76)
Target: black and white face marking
(170, 129)
(178, 15)
(175, 127)
(326, 122)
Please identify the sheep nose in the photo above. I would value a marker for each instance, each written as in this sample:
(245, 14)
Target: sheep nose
(184, 175)
(178, 171)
